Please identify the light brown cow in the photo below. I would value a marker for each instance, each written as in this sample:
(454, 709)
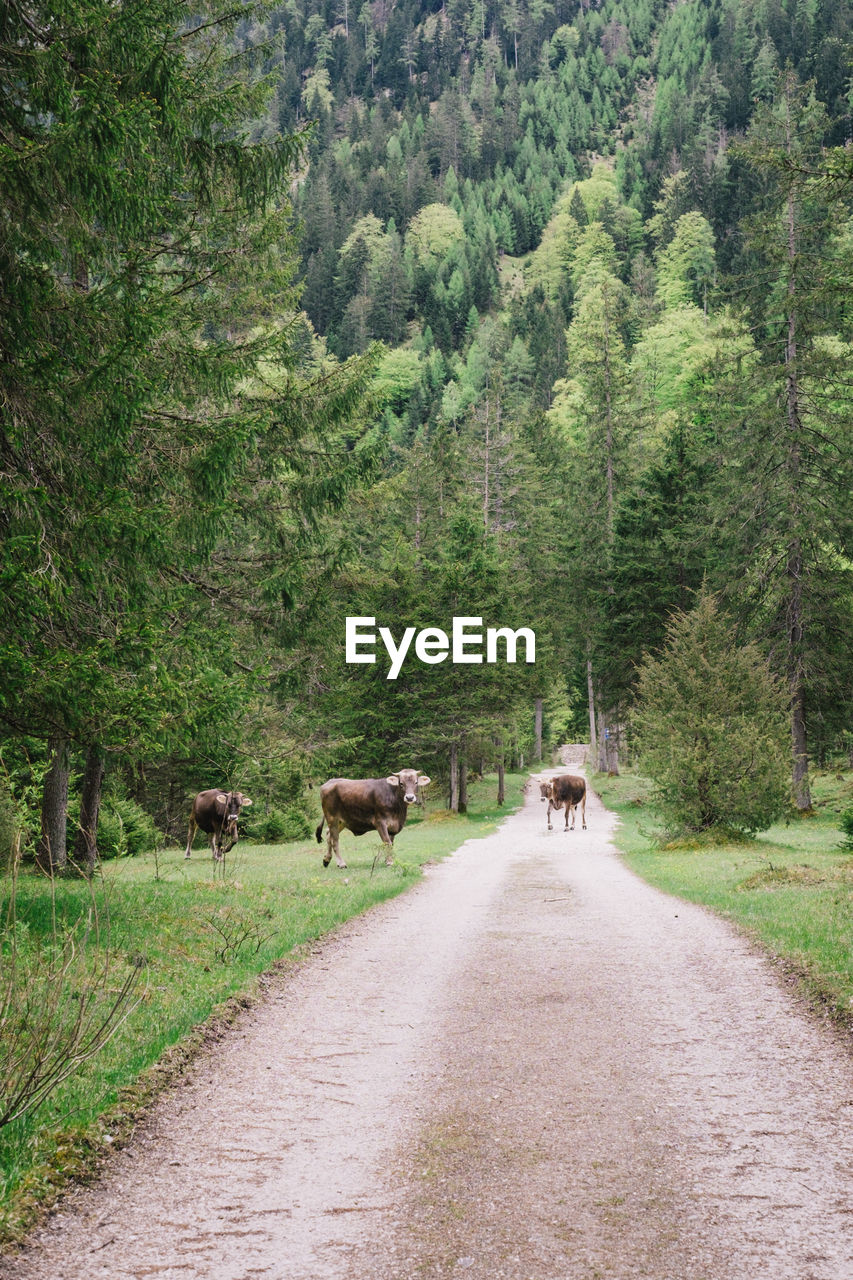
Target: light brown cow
(368, 804)
(568, 790)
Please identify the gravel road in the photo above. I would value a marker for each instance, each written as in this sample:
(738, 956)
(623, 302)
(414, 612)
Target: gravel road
(531, 1066)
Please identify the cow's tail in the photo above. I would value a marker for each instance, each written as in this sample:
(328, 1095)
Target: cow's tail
(319, 829)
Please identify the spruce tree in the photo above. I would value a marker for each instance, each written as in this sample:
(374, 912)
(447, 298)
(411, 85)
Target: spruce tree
(711, 721)
(793, 452)
(145, 264)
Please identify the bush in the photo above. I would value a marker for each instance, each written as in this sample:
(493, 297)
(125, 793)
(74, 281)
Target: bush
(125, 829)
(846, 824)
(11, 825)
(713, 727)
(276, 826)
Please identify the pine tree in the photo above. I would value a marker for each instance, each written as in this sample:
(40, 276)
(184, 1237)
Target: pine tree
(794, 454)
(145, 262)
(712, 726)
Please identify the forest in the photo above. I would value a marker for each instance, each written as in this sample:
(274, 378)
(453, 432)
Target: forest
(535, 313)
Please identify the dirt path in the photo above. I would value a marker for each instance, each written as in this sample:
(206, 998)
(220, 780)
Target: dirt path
(532, 1066)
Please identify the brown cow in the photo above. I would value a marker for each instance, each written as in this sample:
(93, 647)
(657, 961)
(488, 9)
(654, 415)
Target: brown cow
(368, 804)
(568, 790)
(216, 812)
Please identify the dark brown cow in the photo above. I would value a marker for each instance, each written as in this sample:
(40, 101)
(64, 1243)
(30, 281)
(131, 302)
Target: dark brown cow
(568, 790)
(216, 812)
(368, 804)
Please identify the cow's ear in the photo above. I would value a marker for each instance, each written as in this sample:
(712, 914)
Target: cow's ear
(394, 779)
(221, 799)
(423, 780)
(246, 803)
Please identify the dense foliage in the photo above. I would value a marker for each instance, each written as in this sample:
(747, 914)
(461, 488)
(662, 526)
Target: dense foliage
(586, 267)
(711, 720)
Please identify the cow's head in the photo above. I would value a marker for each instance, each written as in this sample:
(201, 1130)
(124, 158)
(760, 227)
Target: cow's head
(232, 802)
(408, 780)
(546, 792)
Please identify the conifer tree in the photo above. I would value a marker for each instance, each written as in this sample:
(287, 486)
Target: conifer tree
(795, 450)
(711, 719)
(144, 268)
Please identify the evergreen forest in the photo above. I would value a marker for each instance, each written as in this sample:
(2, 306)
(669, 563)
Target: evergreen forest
(536, 312)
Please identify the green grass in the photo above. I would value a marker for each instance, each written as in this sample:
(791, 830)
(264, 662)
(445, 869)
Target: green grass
(178, 917)
(790, 888)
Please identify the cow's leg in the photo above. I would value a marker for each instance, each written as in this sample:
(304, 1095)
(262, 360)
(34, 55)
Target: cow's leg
(387, 840)
(550, 806)
(583, 811)
(190, 834)
(570, 809)
(332, 846)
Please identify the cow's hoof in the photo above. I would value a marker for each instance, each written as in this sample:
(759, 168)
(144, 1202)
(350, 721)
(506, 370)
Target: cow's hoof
(326, 861)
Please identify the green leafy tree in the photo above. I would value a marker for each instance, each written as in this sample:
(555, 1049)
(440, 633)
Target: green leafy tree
(145, 265)
(712, 725)
(687, 264)
(794, 455)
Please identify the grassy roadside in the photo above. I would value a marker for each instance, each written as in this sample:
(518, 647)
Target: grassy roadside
(205, 941)
(791, 888)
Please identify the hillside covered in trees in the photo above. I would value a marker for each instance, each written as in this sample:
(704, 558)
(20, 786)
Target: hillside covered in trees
(533, 312)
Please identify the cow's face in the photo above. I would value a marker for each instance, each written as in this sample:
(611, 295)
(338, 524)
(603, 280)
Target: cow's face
(546, 792)
(232, 803)
(408, 780)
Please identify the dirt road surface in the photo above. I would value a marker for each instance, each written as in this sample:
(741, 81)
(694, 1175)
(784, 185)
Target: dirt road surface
(531, 1066)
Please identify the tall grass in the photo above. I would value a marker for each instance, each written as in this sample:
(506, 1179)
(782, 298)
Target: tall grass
(203, 938)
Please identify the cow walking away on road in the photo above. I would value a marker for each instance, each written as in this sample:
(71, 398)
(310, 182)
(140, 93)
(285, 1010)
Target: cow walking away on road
(568, 790)
(368, 804)
(216, 812)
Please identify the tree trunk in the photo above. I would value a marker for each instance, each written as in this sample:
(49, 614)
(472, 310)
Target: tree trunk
(796, 685)
(602, 742)
(538, 720)
(612, 743)
(501, 781)
(51, 853)
(86, 844)
(590, 693)
(794, 564)
(453, 804)
(463, 780)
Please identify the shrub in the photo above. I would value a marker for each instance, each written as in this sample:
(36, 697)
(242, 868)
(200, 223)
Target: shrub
(125, 829)
(11, 825)
(712, 722)
(846, 824)
(275, 826)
